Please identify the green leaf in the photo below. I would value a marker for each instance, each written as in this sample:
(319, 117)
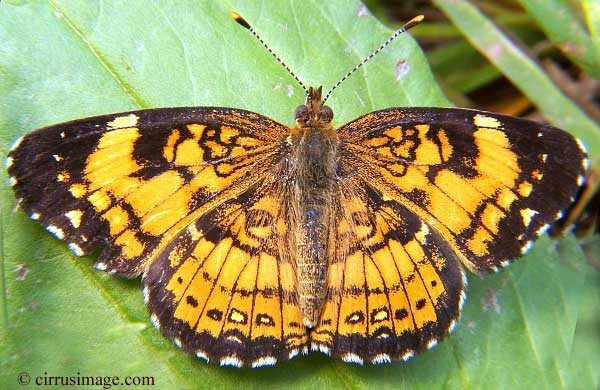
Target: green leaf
(592, 15)
(461, 67)
(585, 352)
(566, 31)
(62, 60)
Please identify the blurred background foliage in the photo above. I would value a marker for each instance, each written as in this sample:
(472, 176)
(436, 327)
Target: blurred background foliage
(561, 42)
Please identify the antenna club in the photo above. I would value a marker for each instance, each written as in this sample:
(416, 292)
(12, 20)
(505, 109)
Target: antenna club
(416, 20)
(238, 18)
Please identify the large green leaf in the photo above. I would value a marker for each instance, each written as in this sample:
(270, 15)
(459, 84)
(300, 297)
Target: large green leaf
(61, 60)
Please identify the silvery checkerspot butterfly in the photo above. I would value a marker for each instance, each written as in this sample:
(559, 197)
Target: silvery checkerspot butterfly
(258, 242)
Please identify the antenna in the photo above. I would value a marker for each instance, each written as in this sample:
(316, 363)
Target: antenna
(411, 23)
(408, 25)
(238, 18)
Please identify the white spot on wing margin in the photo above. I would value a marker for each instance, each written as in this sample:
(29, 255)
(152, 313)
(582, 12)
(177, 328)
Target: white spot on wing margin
(432, 343)
(202, 355)
(407, 355)
(76, 249)
(155, 321)
(525, 248)
(177, 342)
(352, 358)
(100, 266)
(16, 144)
(58, 232)
(381, 358)
(264, 361)
(231, 361)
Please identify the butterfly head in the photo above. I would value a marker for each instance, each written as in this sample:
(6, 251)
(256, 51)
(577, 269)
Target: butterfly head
(313, 113)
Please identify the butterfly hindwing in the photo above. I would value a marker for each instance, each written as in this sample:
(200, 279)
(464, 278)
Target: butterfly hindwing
(490, 184)
(132, 181)
(395, 285)
(225, 288)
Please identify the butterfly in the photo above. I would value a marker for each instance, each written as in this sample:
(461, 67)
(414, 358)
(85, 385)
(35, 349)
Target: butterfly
(258, 242)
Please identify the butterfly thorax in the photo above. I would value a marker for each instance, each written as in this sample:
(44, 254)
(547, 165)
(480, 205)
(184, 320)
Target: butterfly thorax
(315, 144)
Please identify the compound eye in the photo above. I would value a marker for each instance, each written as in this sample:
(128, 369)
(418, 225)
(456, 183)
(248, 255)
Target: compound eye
(301, 113)
(326, 114)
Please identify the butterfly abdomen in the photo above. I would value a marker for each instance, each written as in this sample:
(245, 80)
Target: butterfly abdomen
(315, 159)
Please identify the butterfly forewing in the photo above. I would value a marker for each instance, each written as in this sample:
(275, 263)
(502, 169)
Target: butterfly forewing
(488, 183)
(132, 181)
